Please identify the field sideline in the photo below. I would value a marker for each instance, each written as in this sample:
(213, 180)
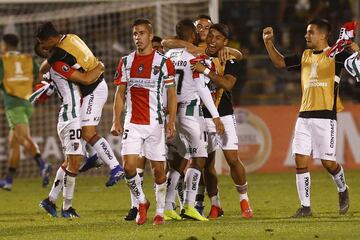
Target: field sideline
(273, 197)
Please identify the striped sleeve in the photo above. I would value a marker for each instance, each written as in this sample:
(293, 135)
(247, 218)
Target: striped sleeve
(63, 69)
(169, 73)
(120, 74)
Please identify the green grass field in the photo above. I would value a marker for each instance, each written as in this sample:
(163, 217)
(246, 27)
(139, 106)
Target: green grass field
(273, 198)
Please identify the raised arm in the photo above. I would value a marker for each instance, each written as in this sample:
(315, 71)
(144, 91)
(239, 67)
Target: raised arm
(118, 108)
(170, 43)
(276, 57)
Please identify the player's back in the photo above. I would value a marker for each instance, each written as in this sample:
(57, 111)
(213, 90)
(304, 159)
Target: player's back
(69, 94)
(185, 85)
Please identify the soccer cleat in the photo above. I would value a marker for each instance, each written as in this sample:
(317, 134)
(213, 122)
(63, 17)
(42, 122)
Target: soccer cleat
(142, 212)
(303, 212)
(215, 212)
(6, 183)
(158, 220)
(344, 201)
(45, 173)
(246, 211)
(49, 207)
(115, 175)
(69, 213)
(192, 213)
(171, 215)
(131, 214)
(90, 162)
(200, 209)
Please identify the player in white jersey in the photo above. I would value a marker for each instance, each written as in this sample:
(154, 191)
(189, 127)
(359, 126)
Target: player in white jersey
(69, 131)
(69, 48)
(142, 75)
(191, 87)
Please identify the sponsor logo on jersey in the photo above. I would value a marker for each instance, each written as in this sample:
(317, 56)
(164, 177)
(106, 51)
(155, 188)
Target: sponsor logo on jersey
(65, 68)
(156, 70)
(76, 146)
(141, 68)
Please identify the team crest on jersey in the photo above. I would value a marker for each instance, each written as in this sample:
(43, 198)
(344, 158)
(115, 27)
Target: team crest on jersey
(76, 146)
(156, 70)
(65, 68)
(141, 68)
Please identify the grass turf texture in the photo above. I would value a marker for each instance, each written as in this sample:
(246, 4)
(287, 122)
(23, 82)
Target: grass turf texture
(273, 198)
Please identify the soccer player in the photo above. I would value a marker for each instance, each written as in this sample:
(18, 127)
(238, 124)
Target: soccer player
(17, 74)
(222, 81)
(192, 134)
(142, 75)
(202, 24)
(69, 131)
(70, 49)
(156, 44)
(315, 129)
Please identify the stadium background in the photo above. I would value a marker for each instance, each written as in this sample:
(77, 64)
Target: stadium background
(267, 98)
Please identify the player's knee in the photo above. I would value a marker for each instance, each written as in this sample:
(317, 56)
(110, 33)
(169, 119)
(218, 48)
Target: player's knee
(234, 162)
(74, 163)
(330, 166)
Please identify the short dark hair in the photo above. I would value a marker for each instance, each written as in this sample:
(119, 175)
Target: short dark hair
(322, 24)
(46, 30)
(203, 16)
(11, 40)
(184, 29)
(145, 22)
(156, 39)
(222, 28)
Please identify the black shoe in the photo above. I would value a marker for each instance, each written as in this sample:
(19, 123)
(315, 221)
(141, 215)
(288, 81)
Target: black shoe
(303, 212)
(344, 202)
(131, 214)
(90, 162)
(49, 207)
(70, 213)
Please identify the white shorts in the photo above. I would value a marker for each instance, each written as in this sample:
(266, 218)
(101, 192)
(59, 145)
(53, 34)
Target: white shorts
(316, 137)
(192, 135)
(148, 140)
(92, 105)
(227, 141)
(70, 136)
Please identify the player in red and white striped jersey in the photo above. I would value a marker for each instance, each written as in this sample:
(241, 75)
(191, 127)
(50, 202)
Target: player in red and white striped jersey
(142, 76)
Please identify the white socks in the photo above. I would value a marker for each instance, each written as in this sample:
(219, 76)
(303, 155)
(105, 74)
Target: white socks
(160, 193)
(192, 178)
(105, 152)
(68, 192)
(303, 183)
(172, 179)
(135, 187)
(339, 180)
(57, 185)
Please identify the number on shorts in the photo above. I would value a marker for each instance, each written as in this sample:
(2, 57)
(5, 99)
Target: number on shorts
(75, 134)
(125, 134)
(180, 74)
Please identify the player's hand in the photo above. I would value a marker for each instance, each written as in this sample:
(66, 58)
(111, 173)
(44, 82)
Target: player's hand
(268, 34)
(219, 126)
(353, 47)
(116, 129)
(224, 54)
(170, 129)
(198, 67)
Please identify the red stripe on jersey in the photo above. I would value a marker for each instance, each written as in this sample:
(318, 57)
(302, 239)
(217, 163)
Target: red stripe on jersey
(170, 67)
(195, 74)
(63, 69)
(142, 66)
(140, 112)
(118, 74)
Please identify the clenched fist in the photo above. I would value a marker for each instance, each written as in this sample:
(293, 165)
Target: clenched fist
(268, 34)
